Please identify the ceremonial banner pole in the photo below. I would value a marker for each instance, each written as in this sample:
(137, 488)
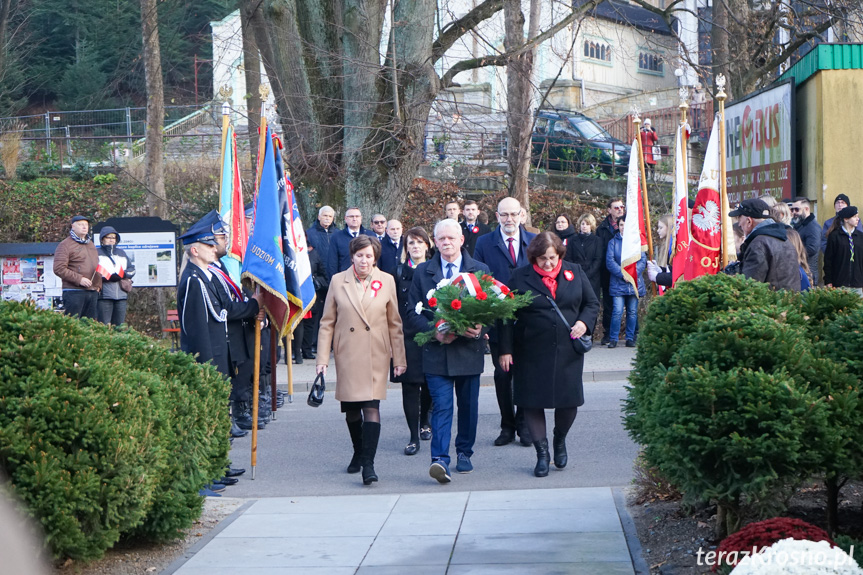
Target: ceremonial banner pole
(725, 221)
(289, 357)
(274, 361)
(647, 227)
(684, 105)
(256, 378)
(226, 121)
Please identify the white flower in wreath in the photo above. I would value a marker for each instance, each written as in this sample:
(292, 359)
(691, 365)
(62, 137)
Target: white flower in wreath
(419, 308)
(430, 293)
(443, 282)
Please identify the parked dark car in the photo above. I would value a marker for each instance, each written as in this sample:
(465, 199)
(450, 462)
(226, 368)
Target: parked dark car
(571, 141)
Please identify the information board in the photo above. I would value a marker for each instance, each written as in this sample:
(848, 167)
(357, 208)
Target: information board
(154, 255)
(758, 150)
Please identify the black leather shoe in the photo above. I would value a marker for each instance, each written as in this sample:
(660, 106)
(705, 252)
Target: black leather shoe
(412, 448)
(309, 356)
(504, 438)
(425, 433)
(605, 341)
(298, 360)
(227, 481)
(236, 431)
(525, 441)
(612, 344)
(630, 343)
(234, 472)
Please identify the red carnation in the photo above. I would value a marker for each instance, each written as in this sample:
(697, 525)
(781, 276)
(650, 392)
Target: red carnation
(433, 301)
(511, 295)
(482, 296)
(504, 289)
(455, 304)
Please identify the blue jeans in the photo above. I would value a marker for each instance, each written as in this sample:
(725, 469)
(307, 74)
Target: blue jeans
(467, 397)
(631, 316)
(81, 303)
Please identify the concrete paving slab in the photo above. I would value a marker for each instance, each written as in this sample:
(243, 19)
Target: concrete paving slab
(544, 569)
(293, 524)
(512, 521)
(541, 531)
(533, 548)
(409, 551)
(237, 553)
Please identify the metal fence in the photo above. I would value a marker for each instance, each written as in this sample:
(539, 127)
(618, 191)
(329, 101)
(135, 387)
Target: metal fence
(55, 128)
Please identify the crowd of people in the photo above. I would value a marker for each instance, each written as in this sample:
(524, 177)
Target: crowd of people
(373, 288)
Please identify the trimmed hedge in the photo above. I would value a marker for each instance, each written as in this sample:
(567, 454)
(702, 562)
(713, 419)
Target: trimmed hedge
(103, 433)
(739, 392)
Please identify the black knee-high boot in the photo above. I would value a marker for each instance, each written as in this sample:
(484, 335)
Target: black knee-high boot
(559, 444)
(356, 430)
(542, 457)
(371, 435)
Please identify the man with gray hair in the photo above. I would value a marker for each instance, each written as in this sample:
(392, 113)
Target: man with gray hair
(320, 234)
(454, 361)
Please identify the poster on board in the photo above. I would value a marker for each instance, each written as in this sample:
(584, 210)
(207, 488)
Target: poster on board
(154, 255)
(32, 278)
(758, 150)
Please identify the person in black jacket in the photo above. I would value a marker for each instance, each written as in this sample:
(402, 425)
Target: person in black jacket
(810, 233)
(416, 399)
(563, 228)
(538, 346)
(471, 227)
(586, 250)
(453, 362)
(392, 247)
(319, 237)
(606, 232)
(843, 259)
(308, 324)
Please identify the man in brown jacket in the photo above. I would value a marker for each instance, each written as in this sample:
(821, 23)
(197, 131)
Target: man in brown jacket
(75, 263)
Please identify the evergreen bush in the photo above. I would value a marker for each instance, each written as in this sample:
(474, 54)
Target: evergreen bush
(103, 433)
(671, 319)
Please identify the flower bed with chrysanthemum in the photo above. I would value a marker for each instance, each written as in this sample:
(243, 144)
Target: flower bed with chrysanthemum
(465, 301)
(798, 557)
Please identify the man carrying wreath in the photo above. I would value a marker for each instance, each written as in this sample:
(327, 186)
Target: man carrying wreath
(453, 362)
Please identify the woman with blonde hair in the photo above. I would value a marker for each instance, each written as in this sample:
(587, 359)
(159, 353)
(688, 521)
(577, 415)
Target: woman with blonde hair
(781, 213)
(659, 270)
(585, 249)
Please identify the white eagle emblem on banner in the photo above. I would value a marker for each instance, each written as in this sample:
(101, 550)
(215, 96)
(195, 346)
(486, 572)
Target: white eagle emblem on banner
(706, 217)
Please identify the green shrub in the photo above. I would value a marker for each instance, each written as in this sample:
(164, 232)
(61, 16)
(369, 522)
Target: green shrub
(103, 433)
(671, 319)
(81, 171)
(28, 171)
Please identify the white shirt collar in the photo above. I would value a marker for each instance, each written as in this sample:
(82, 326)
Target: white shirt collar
(456, 263)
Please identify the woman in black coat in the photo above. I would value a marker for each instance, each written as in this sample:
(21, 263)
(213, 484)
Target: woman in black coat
(586, 250)
(563, 228)
(843, 258)
(416, 399)
(538, 346)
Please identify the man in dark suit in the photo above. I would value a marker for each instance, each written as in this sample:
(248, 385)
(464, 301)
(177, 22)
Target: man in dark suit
(502, 251)
(471, 227)
(452, 363)
(339, 258)
(392, 247)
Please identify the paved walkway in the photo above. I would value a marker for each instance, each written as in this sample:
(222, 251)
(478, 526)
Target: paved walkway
(420, 527)
(538, 531)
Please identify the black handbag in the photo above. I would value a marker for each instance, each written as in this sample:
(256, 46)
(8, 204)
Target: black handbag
(316, 394)
(581, 345)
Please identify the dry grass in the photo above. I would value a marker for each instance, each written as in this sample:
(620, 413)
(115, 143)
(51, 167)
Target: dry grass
(10, 150)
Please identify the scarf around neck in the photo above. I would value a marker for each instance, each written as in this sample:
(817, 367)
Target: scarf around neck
(75, 237)
(549, 278)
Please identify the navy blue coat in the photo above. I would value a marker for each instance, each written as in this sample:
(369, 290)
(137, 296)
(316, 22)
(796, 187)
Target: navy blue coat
(472, 236)
(464, 356)
(203, 330)
(339, 258)
(493, 252)
(391, 255)
(319, 238)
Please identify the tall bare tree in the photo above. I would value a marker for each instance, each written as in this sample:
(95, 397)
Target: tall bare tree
(155, 174)
(252, 71)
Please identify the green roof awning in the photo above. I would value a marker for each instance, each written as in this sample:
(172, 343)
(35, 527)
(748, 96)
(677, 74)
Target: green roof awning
(826, 57)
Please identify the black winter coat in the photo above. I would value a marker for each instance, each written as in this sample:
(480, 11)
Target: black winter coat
(462, 357)
(605, 232)
(471, 236)
(404, 275)
(587, 251)
(839, 270)
(546, 369)
(202, 319)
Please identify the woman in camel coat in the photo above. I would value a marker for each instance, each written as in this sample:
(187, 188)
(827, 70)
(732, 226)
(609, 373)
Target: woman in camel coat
(362, 323)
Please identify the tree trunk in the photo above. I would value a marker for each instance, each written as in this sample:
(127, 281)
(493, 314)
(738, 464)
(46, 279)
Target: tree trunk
(252, 71)
(519, 117)
(832, 485)
(155, 175)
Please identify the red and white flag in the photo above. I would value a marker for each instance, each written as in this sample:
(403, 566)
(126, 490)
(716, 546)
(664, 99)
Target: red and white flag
(705, 228)
(634, 236)
(680, 231)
